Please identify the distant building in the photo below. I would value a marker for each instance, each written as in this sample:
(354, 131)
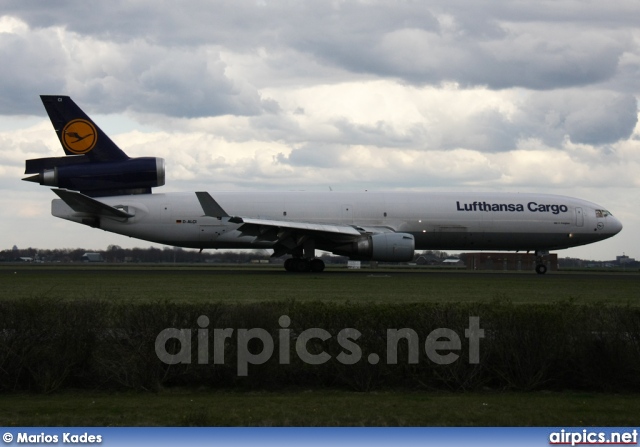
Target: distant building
(453, 262)
(428, 259)
(624, 260)
(92, 257)
(508, 261)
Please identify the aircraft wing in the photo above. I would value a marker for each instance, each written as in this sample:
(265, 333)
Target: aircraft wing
(286, 234)
(297, 226)
(85, 204)
(258, 227)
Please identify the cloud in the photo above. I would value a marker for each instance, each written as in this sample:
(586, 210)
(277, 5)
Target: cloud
(33, 62)
(135, 75)
(495, 44)
(585, 117)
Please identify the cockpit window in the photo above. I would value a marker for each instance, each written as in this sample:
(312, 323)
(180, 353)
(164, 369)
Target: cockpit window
(603, 213)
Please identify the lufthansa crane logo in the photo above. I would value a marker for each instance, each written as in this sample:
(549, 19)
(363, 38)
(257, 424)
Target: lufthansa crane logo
(79, 136)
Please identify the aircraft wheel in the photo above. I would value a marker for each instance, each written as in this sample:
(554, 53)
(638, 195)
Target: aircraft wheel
(289, 265)
(541, 269)
(317, 265)
(303, 265)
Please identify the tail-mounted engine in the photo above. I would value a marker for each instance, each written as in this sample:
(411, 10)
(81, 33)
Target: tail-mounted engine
(111, 178)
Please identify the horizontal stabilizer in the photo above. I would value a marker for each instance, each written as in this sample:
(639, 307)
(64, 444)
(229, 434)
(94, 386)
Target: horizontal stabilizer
(84, 204)
(37, 165)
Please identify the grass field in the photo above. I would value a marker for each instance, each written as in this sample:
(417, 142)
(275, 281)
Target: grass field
(200, 284)
(204, 283)
(319, 408)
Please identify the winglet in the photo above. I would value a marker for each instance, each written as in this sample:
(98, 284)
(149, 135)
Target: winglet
(210, 206)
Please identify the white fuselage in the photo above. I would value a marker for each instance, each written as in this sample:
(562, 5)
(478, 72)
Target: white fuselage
(442, 221)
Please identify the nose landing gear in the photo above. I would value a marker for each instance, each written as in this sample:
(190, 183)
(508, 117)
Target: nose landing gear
(541, 267)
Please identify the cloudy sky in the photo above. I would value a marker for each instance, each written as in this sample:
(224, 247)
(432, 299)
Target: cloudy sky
(467, 95)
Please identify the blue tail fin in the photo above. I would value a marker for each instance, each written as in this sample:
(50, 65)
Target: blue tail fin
(93, 165)
(78, 134)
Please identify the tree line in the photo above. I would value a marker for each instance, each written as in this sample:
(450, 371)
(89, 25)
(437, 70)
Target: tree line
(117, 254)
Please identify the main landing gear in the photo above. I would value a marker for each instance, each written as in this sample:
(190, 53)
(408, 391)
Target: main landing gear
(304, 258)
(315, 265)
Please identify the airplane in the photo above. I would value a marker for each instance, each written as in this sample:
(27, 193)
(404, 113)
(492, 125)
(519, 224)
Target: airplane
(100, 186)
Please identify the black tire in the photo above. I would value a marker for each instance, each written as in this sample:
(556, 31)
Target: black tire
(541, 269)
(302, 265)
(317, 265)
(289, 265)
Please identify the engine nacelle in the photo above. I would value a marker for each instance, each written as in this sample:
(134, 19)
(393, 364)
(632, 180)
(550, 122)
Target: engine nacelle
(391, 247)
(135, 175)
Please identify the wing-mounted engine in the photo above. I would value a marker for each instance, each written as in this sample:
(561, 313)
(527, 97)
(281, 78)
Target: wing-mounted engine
(390, 247)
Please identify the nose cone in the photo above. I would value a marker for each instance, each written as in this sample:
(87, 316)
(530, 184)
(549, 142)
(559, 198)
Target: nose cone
(614, 226)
